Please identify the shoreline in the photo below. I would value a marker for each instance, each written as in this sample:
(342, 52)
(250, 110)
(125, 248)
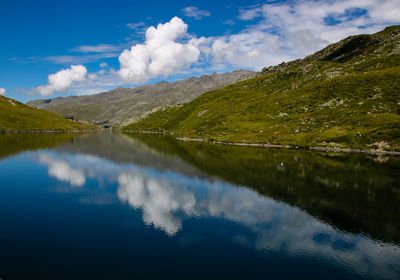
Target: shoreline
(312, 148)
(267, 145)
(259, 145)
(45, 131)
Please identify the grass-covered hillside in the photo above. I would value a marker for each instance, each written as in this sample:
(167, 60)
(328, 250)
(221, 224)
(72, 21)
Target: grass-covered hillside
(346, 95)
(15, 116)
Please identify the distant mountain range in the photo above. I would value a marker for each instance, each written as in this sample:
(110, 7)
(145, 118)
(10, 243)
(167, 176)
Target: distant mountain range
(346, 95)
(122, 106)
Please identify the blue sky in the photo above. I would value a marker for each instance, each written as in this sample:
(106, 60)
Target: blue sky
(61, 48)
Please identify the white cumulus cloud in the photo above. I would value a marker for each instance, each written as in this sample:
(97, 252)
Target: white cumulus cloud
(2, 91)
(61, 81)
(160, 55)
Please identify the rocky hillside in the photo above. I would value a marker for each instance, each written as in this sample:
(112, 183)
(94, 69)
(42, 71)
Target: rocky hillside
(346, 95)
(124, 105)
(15, 116)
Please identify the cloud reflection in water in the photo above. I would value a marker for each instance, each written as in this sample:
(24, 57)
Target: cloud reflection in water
(166, 199)
(158, 199)
(61, 170)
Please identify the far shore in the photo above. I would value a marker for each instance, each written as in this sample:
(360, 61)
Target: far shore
(261, 145)
(267, 145)
(46, 131)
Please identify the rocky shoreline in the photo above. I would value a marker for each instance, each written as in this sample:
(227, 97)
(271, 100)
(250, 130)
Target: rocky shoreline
(267, 145)
(324, 149)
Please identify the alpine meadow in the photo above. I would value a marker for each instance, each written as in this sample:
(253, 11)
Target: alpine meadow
(346, 95)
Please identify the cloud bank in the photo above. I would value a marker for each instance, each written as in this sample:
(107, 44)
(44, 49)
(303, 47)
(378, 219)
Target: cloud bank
(2, 91)
(289, 30)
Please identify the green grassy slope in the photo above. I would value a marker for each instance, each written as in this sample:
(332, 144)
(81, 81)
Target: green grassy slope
(346, 95)
(15, 116)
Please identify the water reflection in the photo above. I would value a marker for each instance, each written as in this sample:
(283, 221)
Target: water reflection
(353, 192)
(277, 199)
(61, 170)
(158, 198)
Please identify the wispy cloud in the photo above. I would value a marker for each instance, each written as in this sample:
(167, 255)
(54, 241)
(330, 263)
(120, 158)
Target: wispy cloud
(88, 90)
(101, 48)
(195, 12)
(138, 27)
(228, 22)
(79, 59)
(250, 13)
(87, 54)
(2, 91)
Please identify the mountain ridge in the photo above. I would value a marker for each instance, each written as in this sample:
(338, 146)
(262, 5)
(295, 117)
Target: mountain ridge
(345, 95)
(122, 105)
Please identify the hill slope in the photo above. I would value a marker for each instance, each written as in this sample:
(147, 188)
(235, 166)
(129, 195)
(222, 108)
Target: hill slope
(15, 116)
(346, 95)
(122, 105)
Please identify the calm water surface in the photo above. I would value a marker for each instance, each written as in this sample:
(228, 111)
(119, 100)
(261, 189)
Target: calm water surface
(119, 206)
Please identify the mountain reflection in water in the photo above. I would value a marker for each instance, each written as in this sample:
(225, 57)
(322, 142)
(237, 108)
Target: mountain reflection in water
(331, 209)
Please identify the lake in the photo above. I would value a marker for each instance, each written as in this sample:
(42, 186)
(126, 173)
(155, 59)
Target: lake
(135, 206)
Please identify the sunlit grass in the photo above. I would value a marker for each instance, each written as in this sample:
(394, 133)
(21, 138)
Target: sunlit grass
(15, 116)
(353, 104)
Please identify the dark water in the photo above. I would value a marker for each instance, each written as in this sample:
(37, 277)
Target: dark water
(116, 206)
